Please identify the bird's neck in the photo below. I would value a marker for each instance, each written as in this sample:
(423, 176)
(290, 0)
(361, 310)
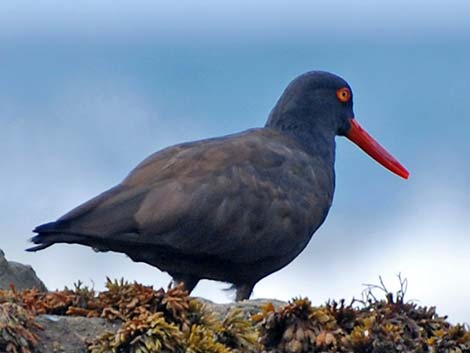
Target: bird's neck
(316, 140)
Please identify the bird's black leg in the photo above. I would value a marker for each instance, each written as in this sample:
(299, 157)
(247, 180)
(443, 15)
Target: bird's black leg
(189, 281)
(243, 291)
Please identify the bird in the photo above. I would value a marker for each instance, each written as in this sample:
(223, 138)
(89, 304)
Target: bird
(234, 208)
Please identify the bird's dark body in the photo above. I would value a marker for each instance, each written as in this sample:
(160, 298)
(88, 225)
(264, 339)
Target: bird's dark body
(234, 208)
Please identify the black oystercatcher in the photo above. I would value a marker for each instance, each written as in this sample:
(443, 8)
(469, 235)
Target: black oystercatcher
(235, 208)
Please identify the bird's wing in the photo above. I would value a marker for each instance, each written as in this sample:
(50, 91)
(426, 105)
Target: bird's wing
(211, 197)
(224, 196)
(190, 185)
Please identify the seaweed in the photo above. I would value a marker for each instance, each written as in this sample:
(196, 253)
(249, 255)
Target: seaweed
(169, 320)
(145, 333)
(18, 327)
(174, 322)
(368, 325)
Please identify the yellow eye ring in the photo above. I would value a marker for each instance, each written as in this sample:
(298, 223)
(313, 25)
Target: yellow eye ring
(344, 94)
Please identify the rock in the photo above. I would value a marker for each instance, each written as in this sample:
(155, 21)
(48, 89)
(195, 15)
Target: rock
(69, 334)
(249, 307)
(21, 276)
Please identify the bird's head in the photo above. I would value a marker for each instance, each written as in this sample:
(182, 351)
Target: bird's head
(319, 105)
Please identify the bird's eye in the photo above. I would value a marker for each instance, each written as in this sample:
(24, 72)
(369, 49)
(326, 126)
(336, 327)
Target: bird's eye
(343, 94)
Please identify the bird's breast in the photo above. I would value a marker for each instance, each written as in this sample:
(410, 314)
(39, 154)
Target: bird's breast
(271, 213)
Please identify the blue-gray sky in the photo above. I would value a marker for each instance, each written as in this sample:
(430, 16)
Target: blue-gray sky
(89, 89)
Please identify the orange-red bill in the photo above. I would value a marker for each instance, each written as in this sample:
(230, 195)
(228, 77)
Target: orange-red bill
(370, 146)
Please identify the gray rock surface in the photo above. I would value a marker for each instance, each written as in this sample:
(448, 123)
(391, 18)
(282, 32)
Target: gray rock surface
(249, 307)
(21, 276)
(69, 334)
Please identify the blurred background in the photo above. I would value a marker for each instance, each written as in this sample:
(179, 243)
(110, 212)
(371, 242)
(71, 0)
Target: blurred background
(88, 89)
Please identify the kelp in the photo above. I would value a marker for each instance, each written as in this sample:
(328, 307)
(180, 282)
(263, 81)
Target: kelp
(368, 325)
(18, 327)
(170, 321)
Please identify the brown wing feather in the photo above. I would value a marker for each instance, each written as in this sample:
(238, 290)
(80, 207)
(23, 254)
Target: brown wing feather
(237, 196)
(223, 197)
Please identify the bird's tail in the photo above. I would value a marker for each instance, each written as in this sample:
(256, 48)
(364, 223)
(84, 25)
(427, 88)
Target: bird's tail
(54, 232)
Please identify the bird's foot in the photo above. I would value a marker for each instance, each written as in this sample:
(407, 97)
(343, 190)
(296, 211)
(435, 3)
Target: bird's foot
(243, 291)
(188, 281)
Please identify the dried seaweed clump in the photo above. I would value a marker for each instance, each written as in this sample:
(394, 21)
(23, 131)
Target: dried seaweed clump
(146, 333)
(238, 333)
(152, 320)
(369, 325)
(64, 302)
(289, 329)
(170, 322)
(121, 300)
(17, 328)
(202, 341)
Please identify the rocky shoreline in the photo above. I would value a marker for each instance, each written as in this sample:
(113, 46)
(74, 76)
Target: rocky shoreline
(130, 317)
(19, 275)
